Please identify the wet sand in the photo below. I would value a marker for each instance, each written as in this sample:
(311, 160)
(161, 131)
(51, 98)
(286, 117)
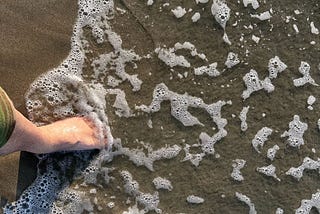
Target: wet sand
(34, 37)
(44, 44)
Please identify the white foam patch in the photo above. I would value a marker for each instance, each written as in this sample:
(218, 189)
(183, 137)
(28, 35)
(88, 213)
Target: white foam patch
(254, 84)
(193, 199)
(295, 132)
(49, 193)
(140, 158)
(314, 30)
(196, 16)
(262, 16)
(162, 183)
(275, 67)
(307, 205)
(63, 92)
(260, 138)
(232, 60)
(237, 165)
(180, 104)
(243, 118)
(304, 69)
(117, 61)
(121, 104)
(179, 12)
(221, 13)
(269, 170)
(149, 201)
(308, 163)
(170, 58)
(279, 211)
(195, 159)
(254, 3)
(245, 199)
(211, 70)
(271, 153)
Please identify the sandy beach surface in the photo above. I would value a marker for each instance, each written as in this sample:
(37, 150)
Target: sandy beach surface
(35, 37)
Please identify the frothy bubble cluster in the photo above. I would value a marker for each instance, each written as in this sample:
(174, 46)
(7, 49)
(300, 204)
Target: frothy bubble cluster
(232, 60)
(116, 61)
(170, 58)
(243, 118)
(245, 199)
(295, 132)
(308, 163)
(271, 153)
(120, 103)
(237, 165)
(253, 84)
(211, 70)
(304, 69)
(149, 201)
(162, 183)
(140, 158)
(254, 3)
(261, 137)
(268, 171)
(307, 205)
(275, 67)
(180, 104)
(193, 199)
(221, 13)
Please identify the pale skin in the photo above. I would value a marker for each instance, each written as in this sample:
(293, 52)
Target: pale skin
(76, 133)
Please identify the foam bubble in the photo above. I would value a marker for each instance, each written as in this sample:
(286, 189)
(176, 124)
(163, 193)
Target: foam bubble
(149, 201)
(295, 132)
(304, 69)
(245, 199)
(269, 170)
(221, 13)
(121, 104)
(307, 205)
(254, 84)
(308, 163)
(243, 118)
(275, 67)
(237, 165)
(195, 17)
(232, 60)
(271, 153)
(254, 3)
(211, 70)
(162, 183)
(260, 138)
(179, 12)
(139, 158)
(192, 199)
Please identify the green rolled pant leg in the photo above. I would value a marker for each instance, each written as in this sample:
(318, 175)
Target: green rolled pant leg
(7, 120)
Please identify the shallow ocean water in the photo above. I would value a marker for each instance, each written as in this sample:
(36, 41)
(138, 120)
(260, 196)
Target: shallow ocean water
(144, 28)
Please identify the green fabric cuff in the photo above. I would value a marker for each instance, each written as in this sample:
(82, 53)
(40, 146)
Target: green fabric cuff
(7, 121)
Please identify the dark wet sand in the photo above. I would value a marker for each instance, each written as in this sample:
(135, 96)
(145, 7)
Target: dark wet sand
(34, 37)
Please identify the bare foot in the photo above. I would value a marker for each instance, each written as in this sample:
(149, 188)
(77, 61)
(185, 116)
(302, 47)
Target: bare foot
(77, 133)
